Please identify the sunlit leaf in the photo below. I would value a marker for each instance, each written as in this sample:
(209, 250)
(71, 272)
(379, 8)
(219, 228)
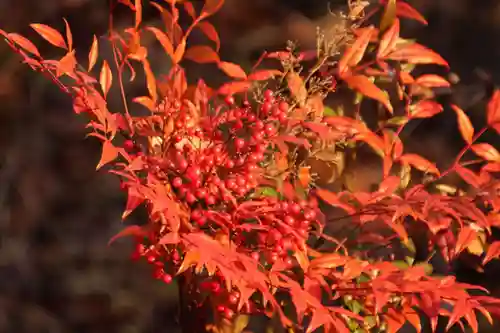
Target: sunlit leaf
(201, 54)
(50, 34)
(93, 54)
(209, 30)
(356, 51)
(232, 70)
(133, 230)
(486, 151)
(105, 78)
(366, 87)
(464, 124)
(109, 154)
(419, 163)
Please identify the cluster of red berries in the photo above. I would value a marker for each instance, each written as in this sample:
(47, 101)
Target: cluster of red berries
(157, 259)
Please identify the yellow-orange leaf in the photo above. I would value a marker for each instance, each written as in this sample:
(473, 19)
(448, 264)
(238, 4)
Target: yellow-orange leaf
(356, 52)
(388, 42)
(109, 153)
(414, 53)
(67, 64)
(93, 54)
(432, 81)
(105, 78)
(201, 54)
(138, 13)
(150, 80)
(69, 35)
(486, 151)
(179, 52)
(366, 87)
(419, 163)
(50, 34)
(233, 70)
(164, 41)
(464, 124)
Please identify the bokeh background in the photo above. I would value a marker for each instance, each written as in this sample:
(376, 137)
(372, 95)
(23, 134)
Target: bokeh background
(57, 273)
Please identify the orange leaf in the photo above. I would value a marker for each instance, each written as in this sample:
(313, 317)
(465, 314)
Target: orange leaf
(50, 34)
(389, 15)
(138, 13)
(232, 70)
(150, 80)
(405, 10)
(305, 176)
(493, 252)
(145, 101)
(388, 42)
(355, 53)
(297, 87)
(486, 151)
(132, 230)
(69, 35)
(432, 81)
(464, 124)
(468, 175)
(179, 51)
(414, 53)
(231, 88)
(265, 74)
(67, 64)
(373, 140)
(93, 54)
(23, 42)
(425, 109)
(419, 163)
(109, 153)
(164, 41)
(134, 199)
(465, 237)
(201, 54)
(366, 87)
(209, 30)
(105, 78)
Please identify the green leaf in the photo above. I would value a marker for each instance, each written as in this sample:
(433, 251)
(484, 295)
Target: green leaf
(268, 192)
(327, 111)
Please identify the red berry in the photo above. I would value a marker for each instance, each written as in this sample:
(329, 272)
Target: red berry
(268, 94)
(283, 106)
(229, 100)
(167, 278)
(239, 143)
(228, 313)
(177, 182)
(128, 145)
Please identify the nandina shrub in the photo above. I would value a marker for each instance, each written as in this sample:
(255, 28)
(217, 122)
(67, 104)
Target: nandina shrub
(229, 175)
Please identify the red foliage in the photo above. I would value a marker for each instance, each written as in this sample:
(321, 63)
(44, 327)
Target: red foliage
(227, 178)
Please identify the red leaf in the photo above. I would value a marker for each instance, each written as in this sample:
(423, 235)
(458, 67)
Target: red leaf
(93, 54)
(388, 42)
(414, 53)
(67, 64)
(295, 140)
(164, 41)
(69, 36)
(138, 12)
(145, 101)
(231, 88)
(464, 124)
(179, 52)
(189, 8)
(432, 81)
(493, 252)
(211, 7)
(133, 230)
(201, 54)
(233, 70)
(419, 163)
(356, 51)
(50, 34)
(134, 199)
(373, 140)
(493, 115)
(465, 237)
(486, 151)
(366, 87)
(24, 43)
(425, 109)
(105, 78)
(405, 10)
(109, 153)
(209, 30)
(469, 176)
(297, 87)
(264, 75)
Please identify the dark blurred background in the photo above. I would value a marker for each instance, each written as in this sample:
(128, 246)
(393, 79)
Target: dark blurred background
(57, 273)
